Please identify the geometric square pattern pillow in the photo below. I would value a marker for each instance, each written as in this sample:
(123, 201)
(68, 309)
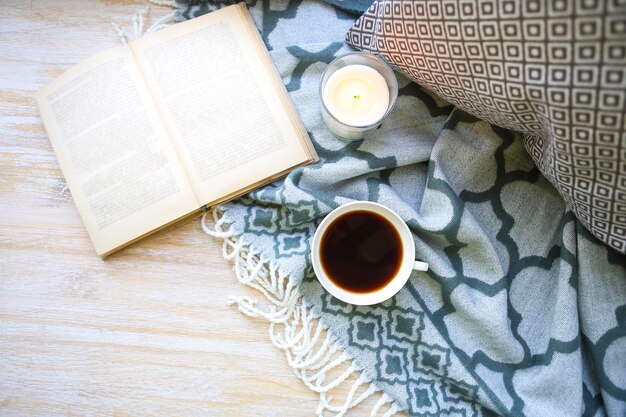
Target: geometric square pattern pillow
(554, 70)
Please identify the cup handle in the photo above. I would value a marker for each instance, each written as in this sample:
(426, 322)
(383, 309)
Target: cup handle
(420, 266)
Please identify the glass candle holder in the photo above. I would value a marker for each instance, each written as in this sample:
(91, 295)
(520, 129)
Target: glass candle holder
(353, 99)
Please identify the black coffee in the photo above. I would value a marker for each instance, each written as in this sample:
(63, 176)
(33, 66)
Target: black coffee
(361, 251)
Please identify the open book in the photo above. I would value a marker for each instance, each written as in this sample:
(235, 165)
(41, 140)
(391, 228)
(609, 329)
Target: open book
(189, 116)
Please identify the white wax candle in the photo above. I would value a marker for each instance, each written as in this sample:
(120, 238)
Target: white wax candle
(356, 95)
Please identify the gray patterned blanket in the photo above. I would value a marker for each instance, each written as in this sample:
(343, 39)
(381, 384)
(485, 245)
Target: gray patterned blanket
(523, 312)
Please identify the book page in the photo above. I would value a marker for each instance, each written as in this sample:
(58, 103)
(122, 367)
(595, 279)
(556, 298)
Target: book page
(121, 168)
(222, 107)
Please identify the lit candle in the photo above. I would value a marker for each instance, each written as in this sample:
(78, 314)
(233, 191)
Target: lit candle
(357, 95)
(357, 92)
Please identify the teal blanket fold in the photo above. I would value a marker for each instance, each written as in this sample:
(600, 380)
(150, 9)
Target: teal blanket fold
(523, 312)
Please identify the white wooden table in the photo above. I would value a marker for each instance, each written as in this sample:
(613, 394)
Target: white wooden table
(146, 332)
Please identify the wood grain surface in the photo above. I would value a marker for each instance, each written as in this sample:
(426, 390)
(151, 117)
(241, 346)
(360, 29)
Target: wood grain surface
(147, 331)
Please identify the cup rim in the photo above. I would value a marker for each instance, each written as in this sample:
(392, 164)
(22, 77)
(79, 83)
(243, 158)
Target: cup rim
(396, 283)
(389, 108)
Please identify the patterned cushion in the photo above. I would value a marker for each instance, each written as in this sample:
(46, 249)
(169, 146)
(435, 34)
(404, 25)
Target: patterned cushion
(554, 70)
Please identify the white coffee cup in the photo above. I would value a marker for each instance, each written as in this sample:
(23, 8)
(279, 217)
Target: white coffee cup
(407, 265)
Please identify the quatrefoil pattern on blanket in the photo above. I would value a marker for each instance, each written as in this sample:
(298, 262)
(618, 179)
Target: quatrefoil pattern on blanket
(512, 318)
(290, 229)
(394, 335)
(473, 330)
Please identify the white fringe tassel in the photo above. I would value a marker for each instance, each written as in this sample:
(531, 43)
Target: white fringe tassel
(310, 351)
(139, 19)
